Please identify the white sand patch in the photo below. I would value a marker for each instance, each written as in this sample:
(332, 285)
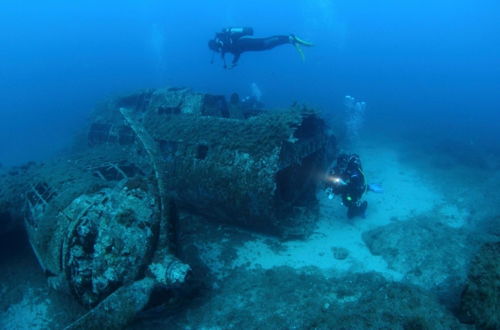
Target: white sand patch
(405, 195)
(30, 313)
(317, 251)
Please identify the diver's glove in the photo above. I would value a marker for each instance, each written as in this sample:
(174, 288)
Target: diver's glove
(376, 188)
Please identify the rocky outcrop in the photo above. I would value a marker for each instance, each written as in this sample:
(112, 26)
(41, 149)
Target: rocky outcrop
(480, 303)
(429, 254)
(286, 298)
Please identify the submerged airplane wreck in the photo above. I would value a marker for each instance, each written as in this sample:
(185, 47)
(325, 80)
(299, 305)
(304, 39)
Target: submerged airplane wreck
(102, 219)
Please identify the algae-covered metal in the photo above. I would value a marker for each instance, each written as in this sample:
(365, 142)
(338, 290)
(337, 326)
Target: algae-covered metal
(101, 220)
(253, 172)
(99, 223)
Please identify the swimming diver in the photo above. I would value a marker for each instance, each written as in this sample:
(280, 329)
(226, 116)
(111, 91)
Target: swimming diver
(348, 180)
(237, 40)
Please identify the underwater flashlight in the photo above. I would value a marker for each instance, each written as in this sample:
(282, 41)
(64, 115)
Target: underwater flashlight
(337, 180)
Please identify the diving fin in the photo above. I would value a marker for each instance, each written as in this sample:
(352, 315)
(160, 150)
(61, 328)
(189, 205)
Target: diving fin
(297, 42)
(299, 50)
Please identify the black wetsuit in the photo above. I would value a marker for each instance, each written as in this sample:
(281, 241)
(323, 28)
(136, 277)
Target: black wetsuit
(237, 43)
(352, 193)
(249, 44)
(353, 185)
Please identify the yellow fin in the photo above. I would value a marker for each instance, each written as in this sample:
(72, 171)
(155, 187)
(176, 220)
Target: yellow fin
(303, 42)
(299, 50)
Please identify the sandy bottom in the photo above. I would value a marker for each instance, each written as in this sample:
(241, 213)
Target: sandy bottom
(407, 194)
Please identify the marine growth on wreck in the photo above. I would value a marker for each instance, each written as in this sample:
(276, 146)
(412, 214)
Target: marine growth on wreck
(102, 220)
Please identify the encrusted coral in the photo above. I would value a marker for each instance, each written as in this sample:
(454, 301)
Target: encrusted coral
(481, 296)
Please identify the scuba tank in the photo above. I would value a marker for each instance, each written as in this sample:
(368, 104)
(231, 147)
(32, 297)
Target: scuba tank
(238, 32)
(227, 36)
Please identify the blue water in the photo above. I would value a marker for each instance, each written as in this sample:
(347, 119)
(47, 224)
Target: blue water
(423, 67)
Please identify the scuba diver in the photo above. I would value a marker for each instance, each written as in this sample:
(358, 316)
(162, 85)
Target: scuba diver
(236, 40)
(348, 180)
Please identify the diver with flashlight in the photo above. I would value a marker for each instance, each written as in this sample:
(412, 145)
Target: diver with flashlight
(347, 179)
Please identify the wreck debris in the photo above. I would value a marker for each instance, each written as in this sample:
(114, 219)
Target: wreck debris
(97, 222)
(102, 220)
(255, 173)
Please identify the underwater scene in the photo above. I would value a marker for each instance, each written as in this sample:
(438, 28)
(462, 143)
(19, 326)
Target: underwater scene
(308, 164)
